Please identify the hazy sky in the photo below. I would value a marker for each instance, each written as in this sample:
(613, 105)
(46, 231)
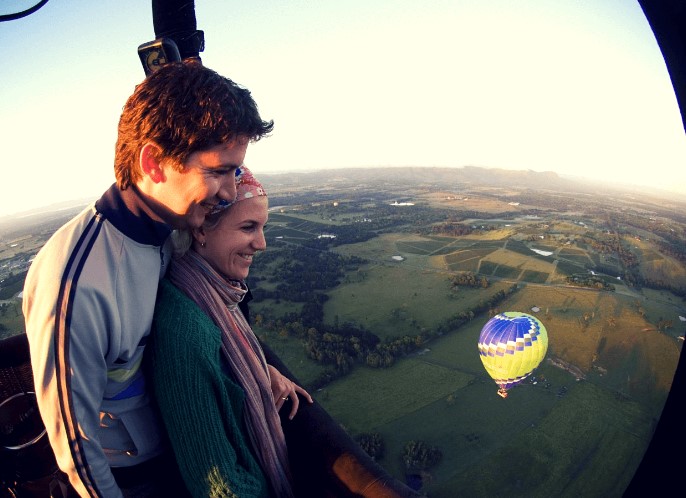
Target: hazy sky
(576, 87)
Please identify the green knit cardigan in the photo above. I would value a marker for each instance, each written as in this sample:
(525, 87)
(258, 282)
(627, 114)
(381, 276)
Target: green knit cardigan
(201, 404)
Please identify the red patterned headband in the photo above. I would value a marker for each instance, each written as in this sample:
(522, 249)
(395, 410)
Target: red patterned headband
(247, 186)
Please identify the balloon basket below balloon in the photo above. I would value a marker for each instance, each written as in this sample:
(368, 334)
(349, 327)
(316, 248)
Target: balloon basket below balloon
(502, 392)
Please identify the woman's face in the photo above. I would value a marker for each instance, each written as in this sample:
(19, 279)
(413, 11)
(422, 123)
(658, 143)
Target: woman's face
(232, 243)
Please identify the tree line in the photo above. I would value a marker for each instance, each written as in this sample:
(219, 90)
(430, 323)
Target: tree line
(416, 455)
(341, 347)
(338, 346)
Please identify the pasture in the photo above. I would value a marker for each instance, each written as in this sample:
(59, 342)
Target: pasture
(472, 202)
(554, 435)
(586, 435)
(659, 267)
(395, 300)
(292, 353)
(558, 437)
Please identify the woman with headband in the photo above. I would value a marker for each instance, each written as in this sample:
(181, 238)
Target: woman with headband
(218, 397)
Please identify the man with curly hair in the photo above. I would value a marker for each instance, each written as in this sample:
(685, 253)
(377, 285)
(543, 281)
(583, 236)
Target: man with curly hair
(90, 293)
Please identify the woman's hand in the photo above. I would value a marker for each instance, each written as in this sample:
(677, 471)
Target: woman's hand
(284, 389)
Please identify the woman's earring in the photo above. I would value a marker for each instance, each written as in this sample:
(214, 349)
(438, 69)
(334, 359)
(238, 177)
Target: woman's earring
(202, 244)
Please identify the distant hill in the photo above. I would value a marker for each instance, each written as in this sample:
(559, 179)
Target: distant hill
(58, 212)
(454, 177)
(419, 175)
(410, 176)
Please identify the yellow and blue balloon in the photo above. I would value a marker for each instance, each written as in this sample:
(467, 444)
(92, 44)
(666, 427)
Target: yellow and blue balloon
(511, 346)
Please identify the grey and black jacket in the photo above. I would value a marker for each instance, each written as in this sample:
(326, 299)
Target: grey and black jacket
(88, 303)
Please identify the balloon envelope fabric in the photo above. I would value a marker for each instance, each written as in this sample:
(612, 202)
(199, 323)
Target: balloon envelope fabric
(511, 346)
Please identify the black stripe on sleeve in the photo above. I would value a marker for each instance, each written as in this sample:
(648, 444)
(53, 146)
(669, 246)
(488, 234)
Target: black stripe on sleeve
(64, 310)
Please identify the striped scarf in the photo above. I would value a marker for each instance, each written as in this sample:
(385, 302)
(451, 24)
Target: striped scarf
(219, 298)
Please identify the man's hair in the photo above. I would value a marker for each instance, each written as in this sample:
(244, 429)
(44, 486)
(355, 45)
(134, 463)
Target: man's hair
(183, 108)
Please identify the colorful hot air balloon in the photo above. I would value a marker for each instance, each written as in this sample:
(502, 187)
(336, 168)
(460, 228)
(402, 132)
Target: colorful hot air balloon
(511, 346)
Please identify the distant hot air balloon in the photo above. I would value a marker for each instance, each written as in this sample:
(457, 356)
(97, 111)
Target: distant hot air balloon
(511, 346)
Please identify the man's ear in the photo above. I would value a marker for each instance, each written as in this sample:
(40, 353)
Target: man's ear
(150, 162)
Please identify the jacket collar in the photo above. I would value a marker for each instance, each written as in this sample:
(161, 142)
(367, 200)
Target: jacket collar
(128, 212)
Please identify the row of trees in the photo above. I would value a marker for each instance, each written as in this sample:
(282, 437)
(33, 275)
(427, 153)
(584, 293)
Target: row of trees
(591, 281)
(342, 346)
(673, 247)
(469, 279)
(612, 244)
(416, 455)
(452, 229)
(661, 283)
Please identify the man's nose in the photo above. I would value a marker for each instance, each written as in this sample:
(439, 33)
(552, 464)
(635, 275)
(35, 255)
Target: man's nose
(227, 189)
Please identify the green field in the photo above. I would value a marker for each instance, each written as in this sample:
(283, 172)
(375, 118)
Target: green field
(535, 277)
(504, 271)
(554, 435)
(540, 443)
(558, 437)
(401, 300)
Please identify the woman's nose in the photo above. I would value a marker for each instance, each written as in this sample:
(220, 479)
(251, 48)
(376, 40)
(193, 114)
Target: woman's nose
(260, 242)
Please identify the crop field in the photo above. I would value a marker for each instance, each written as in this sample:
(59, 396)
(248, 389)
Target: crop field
(469, 259)
(424, 247)
(498, 234)
(505, 257)
(487, 268)
(520, 247)
(577, 256)
(505, 271)
(470, 202)
(536, 277)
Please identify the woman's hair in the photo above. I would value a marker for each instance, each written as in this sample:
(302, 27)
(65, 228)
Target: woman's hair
(183, 107)
(181, 241)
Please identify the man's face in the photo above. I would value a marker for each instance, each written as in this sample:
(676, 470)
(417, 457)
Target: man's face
(208, 177)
